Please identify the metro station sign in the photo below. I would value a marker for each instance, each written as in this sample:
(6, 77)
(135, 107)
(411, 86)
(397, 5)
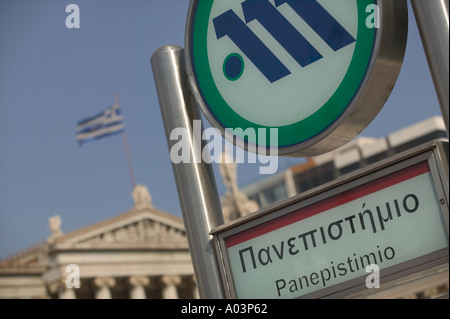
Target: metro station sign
(317, 70)
(394, 217)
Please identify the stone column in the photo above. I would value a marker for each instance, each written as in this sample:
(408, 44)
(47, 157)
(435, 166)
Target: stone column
(102, 287)
(170, 284)
(195, 294)
(137, 287)
(59, 288)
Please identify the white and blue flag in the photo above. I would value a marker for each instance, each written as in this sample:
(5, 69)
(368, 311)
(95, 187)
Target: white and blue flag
(106, 123)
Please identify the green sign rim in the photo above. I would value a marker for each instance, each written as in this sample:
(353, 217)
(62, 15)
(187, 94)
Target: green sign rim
(289, 135)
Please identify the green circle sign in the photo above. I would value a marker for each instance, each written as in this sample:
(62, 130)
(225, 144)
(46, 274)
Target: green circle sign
(308, 68)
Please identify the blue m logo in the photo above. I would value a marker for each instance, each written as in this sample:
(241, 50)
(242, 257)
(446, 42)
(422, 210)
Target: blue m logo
(229, 24)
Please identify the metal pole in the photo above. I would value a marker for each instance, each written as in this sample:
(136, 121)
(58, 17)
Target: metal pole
(127, 149)
(197, 190)
(432, 20)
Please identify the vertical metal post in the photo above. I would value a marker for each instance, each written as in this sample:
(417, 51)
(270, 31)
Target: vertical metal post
(197, 190)
(433, 23)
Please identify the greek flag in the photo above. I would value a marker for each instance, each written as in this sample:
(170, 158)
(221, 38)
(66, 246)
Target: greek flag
(106, 123)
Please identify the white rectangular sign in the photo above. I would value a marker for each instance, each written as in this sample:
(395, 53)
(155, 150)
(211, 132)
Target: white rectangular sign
(385, 222)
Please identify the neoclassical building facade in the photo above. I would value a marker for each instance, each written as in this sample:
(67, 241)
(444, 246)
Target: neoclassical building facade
(142, 253)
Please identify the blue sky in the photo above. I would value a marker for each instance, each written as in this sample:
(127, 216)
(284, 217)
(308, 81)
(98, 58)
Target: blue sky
(51, 77)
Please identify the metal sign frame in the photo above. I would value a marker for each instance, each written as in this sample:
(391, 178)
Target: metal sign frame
(435, 154)
(298, 139)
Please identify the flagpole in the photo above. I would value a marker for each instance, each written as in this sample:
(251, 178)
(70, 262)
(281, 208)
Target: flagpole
(127, 151)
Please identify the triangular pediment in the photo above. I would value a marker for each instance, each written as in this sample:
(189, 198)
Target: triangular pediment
(135, 229)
